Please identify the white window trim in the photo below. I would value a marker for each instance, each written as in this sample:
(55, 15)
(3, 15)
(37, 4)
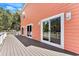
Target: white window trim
(62, 31)
(26, 30)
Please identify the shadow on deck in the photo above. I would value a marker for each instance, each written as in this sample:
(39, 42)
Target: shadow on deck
(27, 42)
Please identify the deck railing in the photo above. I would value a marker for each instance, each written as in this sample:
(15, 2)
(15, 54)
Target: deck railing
(2, 36)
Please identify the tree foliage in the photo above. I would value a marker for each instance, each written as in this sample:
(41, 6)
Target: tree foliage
(9, 20)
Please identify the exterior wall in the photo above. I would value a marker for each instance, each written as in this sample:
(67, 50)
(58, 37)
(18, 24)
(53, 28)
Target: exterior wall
(36, 12)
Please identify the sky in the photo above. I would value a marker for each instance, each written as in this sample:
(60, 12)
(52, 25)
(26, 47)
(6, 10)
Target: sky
(13, 7)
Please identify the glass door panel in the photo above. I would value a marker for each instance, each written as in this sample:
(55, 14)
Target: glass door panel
(55, 30)
(46, 30)
(29, 31)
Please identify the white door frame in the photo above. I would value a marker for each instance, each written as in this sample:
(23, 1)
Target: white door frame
(26, 29)
(62, 31)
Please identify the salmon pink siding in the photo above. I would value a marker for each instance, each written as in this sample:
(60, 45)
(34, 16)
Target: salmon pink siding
(36, 12)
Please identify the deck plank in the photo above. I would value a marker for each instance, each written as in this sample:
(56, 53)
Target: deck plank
(13, 47)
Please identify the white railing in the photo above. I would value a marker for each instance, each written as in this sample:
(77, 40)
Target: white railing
(2, 36)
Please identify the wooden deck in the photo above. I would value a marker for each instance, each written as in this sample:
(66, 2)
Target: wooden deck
(13, 47)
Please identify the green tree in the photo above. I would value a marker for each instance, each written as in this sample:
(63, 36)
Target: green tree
(16, 21)
(9, 20)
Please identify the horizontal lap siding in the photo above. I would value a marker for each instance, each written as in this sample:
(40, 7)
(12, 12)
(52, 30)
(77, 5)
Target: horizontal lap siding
(72, 30)
(36, 12)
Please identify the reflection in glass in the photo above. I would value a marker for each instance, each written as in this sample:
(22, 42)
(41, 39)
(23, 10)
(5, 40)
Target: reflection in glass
(46, 30)
(29, 30)
(55, 27)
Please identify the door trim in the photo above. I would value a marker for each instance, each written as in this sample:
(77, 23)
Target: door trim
(62, 31)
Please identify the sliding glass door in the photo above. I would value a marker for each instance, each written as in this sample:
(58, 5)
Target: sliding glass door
(29, 31)
(53, 30)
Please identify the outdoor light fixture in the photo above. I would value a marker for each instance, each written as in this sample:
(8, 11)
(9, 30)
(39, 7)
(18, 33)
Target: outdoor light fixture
(68, 15)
